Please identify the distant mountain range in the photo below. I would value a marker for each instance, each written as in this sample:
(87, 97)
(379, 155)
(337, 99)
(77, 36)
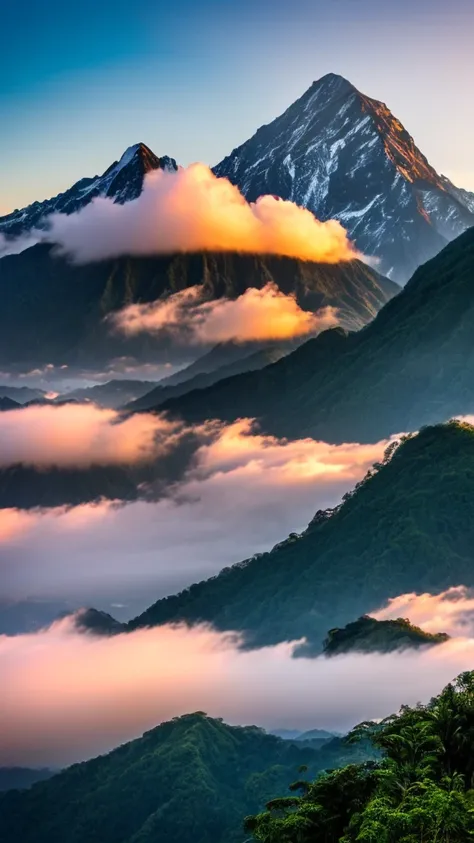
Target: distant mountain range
(122, 181)
(409, 526)
(53, 312)
(191, 780)
(413, 365)
(345, 156)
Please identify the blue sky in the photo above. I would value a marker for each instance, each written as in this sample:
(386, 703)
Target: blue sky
(82, 81)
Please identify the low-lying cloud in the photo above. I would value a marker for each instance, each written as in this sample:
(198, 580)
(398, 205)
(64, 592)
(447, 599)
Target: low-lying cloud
(242, 493)
(193, 211)
(81, 435)
(450, 611)
(68, 696)
(256, 315)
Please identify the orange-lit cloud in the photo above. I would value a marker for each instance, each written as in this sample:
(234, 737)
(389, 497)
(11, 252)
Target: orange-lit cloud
(193, 211)
(265, 314)
(80, 435)
(67, 696)
(450, 611)
(242, 493)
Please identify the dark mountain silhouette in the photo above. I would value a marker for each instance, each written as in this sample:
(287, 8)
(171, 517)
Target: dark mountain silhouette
(413, 365)
(53, 312)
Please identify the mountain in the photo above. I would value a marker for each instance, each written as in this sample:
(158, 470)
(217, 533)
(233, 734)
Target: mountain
(8, 404)
(53, 312)
(249, 363)
(344, 155)
(412, 366)
(20, 778)
(96, 622)
(191, 780)
(112, 394)
(21, 394)
(122, 181)
(368, 635)
(409, 526)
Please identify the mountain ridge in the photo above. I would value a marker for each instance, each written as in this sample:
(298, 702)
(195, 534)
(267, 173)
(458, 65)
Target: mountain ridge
(345, 156)
(409, 367)
(404, 528)
(122, 181)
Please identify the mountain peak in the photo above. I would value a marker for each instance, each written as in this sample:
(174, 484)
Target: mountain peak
(345, 156)
(334, 83)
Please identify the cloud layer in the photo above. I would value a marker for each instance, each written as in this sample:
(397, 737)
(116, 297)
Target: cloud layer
(67, 696)
(242, 493)
(81, 435)
(451, 611)
(256, 315)
(192, 211)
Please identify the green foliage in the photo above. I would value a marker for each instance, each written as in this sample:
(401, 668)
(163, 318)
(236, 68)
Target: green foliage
(409, 526)
(191, 780)
(420, 792)
(368, 635)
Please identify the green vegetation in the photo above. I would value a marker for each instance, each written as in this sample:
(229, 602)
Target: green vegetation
(190, 780)
(368, 635)
(411, 366)
(409, 526)
(420, 792)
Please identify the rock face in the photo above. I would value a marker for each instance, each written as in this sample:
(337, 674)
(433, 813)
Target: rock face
(344, 155)
(123, 181)
(53, 311)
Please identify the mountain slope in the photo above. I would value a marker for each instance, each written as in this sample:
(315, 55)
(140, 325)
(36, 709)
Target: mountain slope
(191, 780)
(113, 394)
(20, 778)
(248, 363)
(53, 311)
(122, 181)
(409, 527)
(344, 155)
(412, 365)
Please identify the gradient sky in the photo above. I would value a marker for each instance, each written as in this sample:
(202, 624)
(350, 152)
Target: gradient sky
(82, 81)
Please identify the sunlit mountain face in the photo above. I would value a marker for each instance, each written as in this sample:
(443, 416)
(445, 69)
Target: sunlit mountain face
(344, 155)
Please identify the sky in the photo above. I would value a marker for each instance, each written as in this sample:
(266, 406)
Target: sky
(79, 82)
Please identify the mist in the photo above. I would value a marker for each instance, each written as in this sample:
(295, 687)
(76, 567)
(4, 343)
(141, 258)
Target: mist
(69, 696)
(242, 493)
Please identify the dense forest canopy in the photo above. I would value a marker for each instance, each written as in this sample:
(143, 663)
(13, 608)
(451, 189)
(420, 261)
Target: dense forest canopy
(422, 791)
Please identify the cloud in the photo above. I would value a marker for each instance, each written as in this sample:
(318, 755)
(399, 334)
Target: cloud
(13, 246)
(242, 493)
(450, 611)
(67, 696)
(81, 435)
(193, 211)
(256, 315)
